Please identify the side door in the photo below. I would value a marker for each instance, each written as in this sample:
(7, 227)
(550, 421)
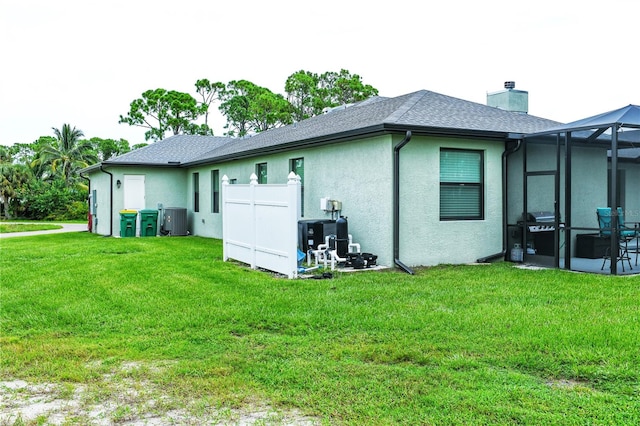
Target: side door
(134, 195)
(134, 192)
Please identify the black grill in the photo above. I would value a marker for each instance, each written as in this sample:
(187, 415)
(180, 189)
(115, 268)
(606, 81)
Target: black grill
(541, 221)
(542, 216)
(540, 227)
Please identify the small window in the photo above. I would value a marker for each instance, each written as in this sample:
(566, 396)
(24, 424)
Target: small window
(461, 185)
(296, 165)
(261, 172)
(196, 192)
(215, 191)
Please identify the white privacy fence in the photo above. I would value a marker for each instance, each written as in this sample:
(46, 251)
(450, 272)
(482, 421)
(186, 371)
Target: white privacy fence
(260, 224)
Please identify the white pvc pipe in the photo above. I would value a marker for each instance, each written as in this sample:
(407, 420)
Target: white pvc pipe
(322, 253)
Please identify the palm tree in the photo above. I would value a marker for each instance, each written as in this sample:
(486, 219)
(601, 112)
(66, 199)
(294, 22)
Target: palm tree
(69, 153)
(13, 179)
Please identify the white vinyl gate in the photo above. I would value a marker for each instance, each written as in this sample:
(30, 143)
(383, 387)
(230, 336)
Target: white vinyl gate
(260, 224)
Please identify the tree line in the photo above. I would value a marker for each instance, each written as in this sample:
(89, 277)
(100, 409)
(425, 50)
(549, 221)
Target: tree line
(247, 107)
(41, 180)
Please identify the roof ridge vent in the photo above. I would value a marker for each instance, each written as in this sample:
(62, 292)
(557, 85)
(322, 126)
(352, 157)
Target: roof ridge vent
(327, 110)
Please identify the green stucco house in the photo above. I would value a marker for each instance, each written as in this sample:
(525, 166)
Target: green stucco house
(423, 178)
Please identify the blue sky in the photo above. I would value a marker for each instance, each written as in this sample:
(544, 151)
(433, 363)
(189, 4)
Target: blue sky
(83, 62)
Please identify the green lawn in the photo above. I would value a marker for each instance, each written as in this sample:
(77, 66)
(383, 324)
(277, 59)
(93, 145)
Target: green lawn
(7, 227)
(489, 344)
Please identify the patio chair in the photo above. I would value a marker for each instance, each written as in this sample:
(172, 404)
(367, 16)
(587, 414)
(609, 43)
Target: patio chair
(625, 235)
(624, 225)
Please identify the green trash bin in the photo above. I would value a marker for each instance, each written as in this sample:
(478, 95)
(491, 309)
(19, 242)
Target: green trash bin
(148, 223)
(128, 223)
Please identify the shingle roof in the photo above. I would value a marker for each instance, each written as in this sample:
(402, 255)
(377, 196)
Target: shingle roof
(423, 109)
(174, 149)
(440, 111)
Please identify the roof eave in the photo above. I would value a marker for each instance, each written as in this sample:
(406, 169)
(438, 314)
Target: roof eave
(377, 129)
(316, 141)
(168, 164)
(91, 168)
(449, 131)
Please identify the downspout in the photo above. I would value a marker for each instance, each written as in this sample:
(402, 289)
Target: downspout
(110, 199)
(396, 203)
(88, 198)
(502, 254)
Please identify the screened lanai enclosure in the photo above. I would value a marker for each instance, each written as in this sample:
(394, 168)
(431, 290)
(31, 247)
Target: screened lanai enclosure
(557, 183)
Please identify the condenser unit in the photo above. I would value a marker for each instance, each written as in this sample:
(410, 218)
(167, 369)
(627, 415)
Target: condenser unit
(174, 221)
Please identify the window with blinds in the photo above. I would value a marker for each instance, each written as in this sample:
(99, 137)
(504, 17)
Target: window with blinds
(461, 185)
(215, 191)
(196, 192)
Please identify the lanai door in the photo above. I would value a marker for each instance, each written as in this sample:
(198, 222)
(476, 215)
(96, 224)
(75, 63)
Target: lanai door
(541, 225)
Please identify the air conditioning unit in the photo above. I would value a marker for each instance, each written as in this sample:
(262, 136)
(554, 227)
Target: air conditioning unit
(174, 221)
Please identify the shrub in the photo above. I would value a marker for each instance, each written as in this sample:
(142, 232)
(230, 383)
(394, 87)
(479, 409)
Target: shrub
(54, 200)
(77, 210)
